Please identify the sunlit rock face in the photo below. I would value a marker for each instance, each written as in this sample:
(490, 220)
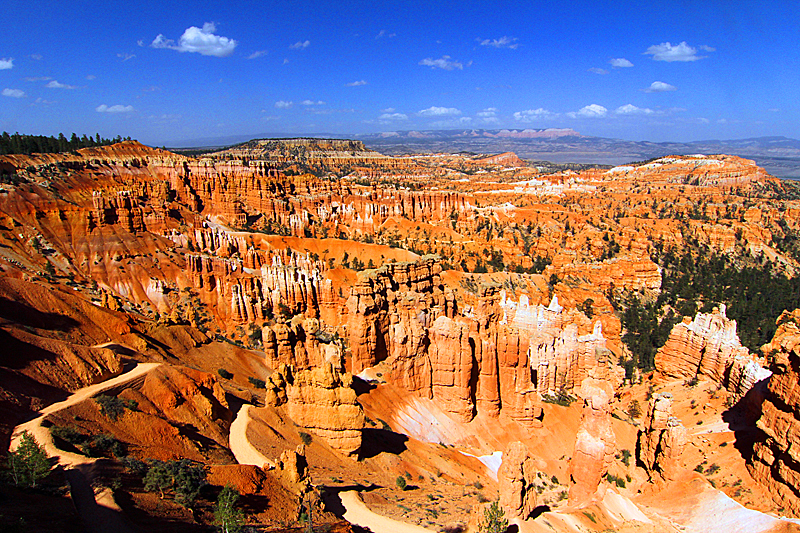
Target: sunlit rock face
(776, 460)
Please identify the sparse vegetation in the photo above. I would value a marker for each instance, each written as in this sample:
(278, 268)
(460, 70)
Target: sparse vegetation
(306, 438)
(401, 483)
(114, 407)
(494, 520)
(224, 374)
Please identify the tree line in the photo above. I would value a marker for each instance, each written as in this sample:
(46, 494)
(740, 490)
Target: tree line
(18, 143)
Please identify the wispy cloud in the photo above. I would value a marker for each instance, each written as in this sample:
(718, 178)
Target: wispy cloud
(502, 42)
(36, 57)
(257, 54)
(103, 108)
(13, 93)
(660, 87)
(283, 104)
(199, 40)
(620, 62)
(532, 115)
(435, 111)
(358, 83)
(589, 111)
(312, 102)
(37, 78)
(300, 45)
(384, 33)
(630, 109)
(56, 85)
(488, 112)
(6, 63)
(126, 57)
(706, 48)
(679, 52)
(595, 70)
(444, 63)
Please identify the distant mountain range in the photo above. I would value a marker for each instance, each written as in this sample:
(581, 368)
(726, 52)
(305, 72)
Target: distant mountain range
(780, 156)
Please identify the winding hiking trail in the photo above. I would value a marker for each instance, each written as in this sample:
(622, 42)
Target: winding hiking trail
(355, 511)
(99, 511)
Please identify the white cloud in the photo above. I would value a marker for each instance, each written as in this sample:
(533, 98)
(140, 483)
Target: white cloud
(37, 78)
(36, 57)
(13, 93)
(358, 83)
(596, 70)
(444, 63)
(55, 85)
(435, 111)
(488, 112)
(532, 115)
(589, 111)
(384, 33)
(706, 48)
(669, 53)
(502, 42)
(620, 62)
(300, 45)
(660, 87)
(114, 108)
(199, 40)
(257, 54)
(126, 57)
(388, 110)
(285, 61)
(630, 109)
(392, 116)
(6, 63)
(283, 104)
(312, 102)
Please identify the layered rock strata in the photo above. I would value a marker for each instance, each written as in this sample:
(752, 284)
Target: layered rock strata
(323, 401)
(776, 457)
(661, 439)
(709, 348)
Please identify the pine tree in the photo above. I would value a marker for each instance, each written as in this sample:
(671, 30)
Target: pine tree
(226, 515)
(29, 462)
(494, 520)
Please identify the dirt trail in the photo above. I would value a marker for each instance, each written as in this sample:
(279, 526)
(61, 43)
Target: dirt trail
(99, 512)
(359, 514)
(244, 452)
(355, 510)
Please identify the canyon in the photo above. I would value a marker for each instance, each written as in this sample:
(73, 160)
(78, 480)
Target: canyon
(435, 330)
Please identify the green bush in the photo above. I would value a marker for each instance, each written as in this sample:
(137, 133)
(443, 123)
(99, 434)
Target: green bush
(401, 483)
(114, 407)
(184, 478)
(305, 437)
(224, 374)
(494, 520)
(257, 383)
(28, 463)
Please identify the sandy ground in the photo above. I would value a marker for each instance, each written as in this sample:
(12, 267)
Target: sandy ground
(99, 512)
(357, 513)
(241, 448)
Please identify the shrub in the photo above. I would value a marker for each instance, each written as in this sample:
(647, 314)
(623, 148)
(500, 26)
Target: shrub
(494, 520)
(257, 383)
(305, 437)
(182, 477)
(401, 483)
(224, 374)
(114, 407)
(626, 457)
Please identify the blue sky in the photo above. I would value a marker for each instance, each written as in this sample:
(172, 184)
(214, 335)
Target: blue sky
(167, 71)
